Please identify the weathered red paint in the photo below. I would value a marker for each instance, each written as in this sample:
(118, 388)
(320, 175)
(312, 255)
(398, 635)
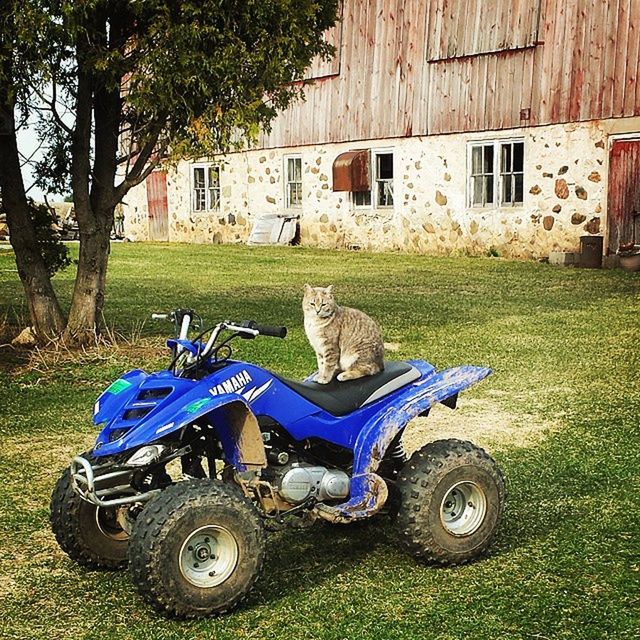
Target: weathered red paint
(624, 194)
(158, 205)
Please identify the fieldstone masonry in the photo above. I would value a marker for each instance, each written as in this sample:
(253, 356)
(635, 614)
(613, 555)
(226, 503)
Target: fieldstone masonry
(564, 197)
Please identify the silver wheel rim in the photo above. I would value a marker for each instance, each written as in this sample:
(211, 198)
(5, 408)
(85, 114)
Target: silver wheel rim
(208, 556)
(107, 522)
(463, 509)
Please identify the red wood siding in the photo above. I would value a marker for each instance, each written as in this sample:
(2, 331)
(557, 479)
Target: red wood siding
(158, 205)
(482, 26)
(584, 67)
(624, 194)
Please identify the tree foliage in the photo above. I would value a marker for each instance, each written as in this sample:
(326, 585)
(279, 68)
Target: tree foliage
(118, 86)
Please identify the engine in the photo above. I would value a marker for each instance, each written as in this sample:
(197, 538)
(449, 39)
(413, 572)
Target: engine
(301, 481)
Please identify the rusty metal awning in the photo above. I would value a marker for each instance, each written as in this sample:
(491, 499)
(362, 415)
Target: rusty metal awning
(351, 171)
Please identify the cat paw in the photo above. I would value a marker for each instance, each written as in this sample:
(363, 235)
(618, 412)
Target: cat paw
(322, 379)
(344, 376)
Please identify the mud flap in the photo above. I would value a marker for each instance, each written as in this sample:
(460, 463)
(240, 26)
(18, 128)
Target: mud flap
(240, 436)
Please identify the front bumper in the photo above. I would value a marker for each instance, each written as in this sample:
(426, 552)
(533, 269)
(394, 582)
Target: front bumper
(96, 483)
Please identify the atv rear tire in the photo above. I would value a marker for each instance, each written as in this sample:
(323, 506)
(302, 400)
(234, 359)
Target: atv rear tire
(452, 497)
(196, 549)
(88, 534)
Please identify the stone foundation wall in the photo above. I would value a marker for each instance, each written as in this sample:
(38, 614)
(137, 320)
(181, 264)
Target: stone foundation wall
(564, 196)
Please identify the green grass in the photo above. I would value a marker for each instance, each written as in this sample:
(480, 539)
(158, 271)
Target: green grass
(564, 347)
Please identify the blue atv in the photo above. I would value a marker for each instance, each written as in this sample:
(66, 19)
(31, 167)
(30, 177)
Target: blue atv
(193, 464)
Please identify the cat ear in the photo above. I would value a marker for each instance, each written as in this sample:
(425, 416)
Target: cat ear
(329, 289)
(307, 287)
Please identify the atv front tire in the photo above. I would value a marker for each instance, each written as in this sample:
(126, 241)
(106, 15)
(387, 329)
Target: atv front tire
(88, 534)
(196, 549)
(452, 497)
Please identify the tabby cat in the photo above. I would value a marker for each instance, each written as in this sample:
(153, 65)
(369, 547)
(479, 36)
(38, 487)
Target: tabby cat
(346, 341)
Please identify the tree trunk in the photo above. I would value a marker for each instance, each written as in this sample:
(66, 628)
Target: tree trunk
(88, 293)
(44, 310)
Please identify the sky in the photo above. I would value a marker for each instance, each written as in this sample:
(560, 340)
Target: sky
(27, 144)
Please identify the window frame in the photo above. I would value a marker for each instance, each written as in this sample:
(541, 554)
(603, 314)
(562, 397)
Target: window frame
(206, 167)
(497, 173)
(287, 182)
(374, 180)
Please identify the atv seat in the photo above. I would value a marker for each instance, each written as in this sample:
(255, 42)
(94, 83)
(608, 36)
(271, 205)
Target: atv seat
(341, 398)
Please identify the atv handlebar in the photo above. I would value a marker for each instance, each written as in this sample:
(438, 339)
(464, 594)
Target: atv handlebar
(265, 330)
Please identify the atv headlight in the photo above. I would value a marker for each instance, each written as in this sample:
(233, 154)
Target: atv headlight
(146, 455)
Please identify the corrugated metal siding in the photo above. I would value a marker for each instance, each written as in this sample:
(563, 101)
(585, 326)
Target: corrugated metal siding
(585, 67)
(624, 193)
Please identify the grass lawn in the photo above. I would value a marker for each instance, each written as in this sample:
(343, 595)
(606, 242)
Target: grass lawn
(563, 344)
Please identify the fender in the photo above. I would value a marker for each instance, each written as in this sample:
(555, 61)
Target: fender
(229, 413)
(368, 490)
(376, 436)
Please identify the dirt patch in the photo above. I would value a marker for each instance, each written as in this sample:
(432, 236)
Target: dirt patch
(483, 422)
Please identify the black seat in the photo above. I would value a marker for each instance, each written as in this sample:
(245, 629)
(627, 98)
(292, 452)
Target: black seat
(341, 398)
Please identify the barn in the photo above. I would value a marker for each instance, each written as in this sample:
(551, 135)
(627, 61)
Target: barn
(441, 126)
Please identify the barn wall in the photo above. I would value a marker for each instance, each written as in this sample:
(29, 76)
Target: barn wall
(565, 196)
(584, 65)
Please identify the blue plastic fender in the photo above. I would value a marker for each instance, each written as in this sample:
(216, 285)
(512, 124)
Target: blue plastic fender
(379, 432)
(368, 490)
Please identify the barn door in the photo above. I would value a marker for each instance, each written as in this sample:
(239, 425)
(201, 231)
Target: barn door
(158, 205)
(624, 194)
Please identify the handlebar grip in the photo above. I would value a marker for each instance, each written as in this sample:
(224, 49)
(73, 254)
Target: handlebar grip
(275, 332)
(159, 316)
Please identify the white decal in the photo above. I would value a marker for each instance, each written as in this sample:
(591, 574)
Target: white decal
(254, 393)
(234, 384)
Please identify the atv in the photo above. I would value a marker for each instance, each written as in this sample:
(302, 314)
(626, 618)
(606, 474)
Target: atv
(194, 463)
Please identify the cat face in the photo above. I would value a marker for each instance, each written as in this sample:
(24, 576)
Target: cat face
(318, 301)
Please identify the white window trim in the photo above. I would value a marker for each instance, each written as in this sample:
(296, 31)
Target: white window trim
(497, 174)
(285, 159)
(205, 166)
(373, 204)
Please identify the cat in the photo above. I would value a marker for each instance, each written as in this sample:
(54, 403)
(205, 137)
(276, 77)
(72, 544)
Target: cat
(346, 341)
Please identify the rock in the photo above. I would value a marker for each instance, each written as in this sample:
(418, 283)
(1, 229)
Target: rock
(232, 219)
(547, 175)
(593, 226)
(271, 200)
(535, 190)
(563, 169)
(473, 227)
(323, 177)
(428, 227)
(598, 208)
(262, 159)
(557, 209)
(272, 180)
(441, 199)
(447, 177)
(600, 144)
(578, 218)
(594, 176)
(581, 192)
(324, 218)
(26, 338)
(547, 222)
(315, 170)
(562, 190)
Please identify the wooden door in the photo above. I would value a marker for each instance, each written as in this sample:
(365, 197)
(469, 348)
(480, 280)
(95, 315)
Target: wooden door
(158, 205)
(624, 194)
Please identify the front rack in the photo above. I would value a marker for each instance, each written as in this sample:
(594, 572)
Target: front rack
(84, 480)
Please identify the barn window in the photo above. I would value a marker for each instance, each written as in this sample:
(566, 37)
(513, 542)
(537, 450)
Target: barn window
(293, 181)
(205, 187)
(381, 193)
(496, 173)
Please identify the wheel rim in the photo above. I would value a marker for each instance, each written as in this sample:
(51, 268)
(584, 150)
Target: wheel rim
(463, 509)
(208, 556)
(107, 521)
